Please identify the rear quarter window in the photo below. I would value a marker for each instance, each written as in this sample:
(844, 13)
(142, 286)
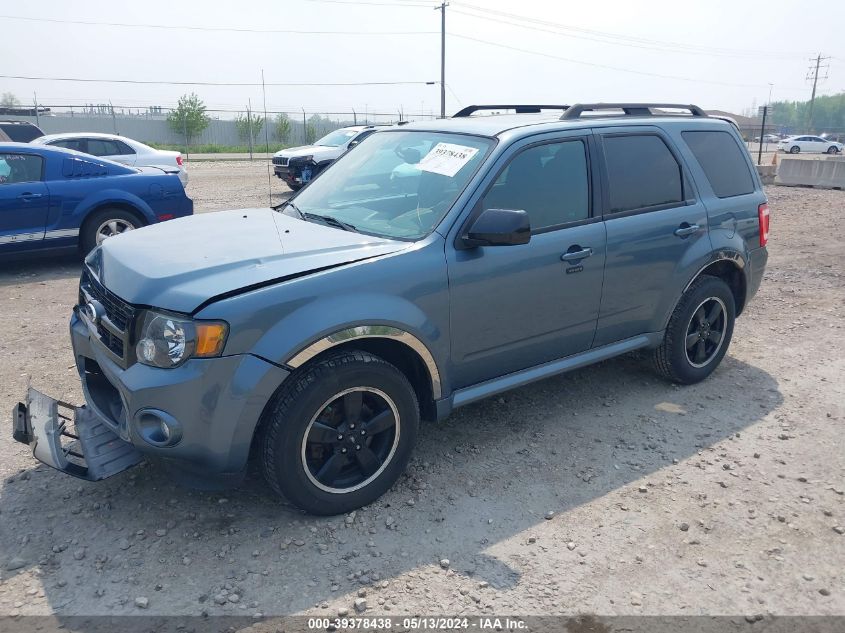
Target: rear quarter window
(722, 161)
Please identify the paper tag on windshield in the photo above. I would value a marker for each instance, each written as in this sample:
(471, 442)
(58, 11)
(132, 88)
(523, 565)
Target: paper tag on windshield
(447, 159)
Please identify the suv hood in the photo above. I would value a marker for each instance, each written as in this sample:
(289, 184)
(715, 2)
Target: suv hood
(311, 150)
(180, 264)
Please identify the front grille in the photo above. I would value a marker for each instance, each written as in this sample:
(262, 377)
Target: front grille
(280, 161)
(119, 312)
(114, 343)
(113, 328)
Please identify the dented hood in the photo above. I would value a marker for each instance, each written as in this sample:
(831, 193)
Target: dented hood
(181, 264)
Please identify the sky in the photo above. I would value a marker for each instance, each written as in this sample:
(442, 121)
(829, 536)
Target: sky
(720, 54)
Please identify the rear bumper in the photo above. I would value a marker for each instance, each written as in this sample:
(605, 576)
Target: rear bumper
(757, 267)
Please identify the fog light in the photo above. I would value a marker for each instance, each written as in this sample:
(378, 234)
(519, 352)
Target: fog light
(158, 428)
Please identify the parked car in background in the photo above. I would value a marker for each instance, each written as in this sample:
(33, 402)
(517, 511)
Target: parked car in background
(57, 198)
(119, 149)
(315, 336)
(810, 145)
(19, 131)
(298, 165)
(768, 138)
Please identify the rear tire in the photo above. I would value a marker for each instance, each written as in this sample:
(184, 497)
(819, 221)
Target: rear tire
(699, 332)
(339, 433)
(106, 223)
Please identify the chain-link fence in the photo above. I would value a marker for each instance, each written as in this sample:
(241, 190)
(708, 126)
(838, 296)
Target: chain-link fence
(240, 130)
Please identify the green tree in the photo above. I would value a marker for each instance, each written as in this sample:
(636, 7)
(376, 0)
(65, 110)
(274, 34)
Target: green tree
(828, 114)
(189, 118)
(248, 126)
(9, 100)
(282, 128)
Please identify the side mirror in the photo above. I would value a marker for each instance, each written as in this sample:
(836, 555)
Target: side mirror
(351, 145)
(499, 227)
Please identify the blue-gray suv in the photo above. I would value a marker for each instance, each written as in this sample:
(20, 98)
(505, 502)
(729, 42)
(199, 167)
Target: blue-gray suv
(435, 264)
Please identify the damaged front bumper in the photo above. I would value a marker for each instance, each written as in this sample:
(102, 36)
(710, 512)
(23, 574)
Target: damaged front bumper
(71, 439)
(211, 405)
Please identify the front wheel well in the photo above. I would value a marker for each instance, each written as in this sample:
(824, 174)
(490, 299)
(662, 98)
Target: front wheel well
(732, 275)
(404, 359)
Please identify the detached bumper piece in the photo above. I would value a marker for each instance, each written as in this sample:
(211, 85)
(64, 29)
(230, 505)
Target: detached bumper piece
(70, 439)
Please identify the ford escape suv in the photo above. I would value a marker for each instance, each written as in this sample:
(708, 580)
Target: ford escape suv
(437, 264)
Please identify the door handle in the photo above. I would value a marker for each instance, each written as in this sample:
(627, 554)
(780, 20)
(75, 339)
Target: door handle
(686, 229)
(29, 196)
(575, 255)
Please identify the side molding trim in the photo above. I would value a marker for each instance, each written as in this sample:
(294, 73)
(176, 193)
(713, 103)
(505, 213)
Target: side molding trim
(372, 331)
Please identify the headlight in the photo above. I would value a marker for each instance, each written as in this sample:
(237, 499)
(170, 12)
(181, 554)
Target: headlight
(168, 341)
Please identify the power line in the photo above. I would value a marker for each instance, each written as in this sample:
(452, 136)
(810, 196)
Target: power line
(604, 66)
(213, 29)
(376, 4)
(615, 36)
(218, 83)
(609, 40)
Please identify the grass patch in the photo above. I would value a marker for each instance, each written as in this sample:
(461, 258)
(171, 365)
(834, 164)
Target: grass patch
(210, 148)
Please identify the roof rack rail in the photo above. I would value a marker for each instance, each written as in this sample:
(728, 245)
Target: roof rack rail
(630, 109)
(520, 109)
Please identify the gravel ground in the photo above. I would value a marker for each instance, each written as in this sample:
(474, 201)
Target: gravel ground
(606, 490)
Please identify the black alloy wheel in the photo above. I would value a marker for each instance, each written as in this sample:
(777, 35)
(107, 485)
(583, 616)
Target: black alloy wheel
(351, 439)
(706, 331)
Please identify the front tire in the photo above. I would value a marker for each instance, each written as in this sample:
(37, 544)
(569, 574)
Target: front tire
(339, 433)
(794, 149)
(699, 332)
(832, 150)
(104, 224)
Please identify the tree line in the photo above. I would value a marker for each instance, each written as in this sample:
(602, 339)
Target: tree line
(190, 119)
(828, 114)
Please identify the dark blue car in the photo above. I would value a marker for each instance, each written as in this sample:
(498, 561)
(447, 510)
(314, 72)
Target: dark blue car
(57, 198)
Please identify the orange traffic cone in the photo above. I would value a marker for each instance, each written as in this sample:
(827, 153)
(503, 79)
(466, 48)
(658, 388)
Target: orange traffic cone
(775, 158)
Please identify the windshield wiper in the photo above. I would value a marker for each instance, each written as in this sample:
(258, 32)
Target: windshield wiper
(293, 206)
(331, 221)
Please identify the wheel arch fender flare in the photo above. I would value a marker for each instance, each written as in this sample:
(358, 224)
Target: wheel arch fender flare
(372, 331)
(725, 261)
(116, 198)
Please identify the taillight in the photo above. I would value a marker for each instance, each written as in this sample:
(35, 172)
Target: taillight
(179, 160)
(763, 217)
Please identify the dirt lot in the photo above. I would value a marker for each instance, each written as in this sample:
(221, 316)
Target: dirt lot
(602, 491)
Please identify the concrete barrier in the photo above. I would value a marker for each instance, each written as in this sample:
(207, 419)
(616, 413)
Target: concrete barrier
(767, 173)
(822, 172)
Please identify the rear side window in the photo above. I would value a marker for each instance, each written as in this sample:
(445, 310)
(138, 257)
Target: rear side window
(70, 143)
(641, 173)
(123, 148)
(102, 147)
(722, 161)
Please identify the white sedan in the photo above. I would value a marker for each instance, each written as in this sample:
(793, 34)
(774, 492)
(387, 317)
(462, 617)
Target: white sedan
(810, 144)
(117, 148)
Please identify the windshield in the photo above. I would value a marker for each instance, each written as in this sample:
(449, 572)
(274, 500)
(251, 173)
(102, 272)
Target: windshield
(336, 138)
(395, 184)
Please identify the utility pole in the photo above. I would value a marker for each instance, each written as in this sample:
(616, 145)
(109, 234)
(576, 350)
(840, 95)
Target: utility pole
(814, 73)
(442, 9)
